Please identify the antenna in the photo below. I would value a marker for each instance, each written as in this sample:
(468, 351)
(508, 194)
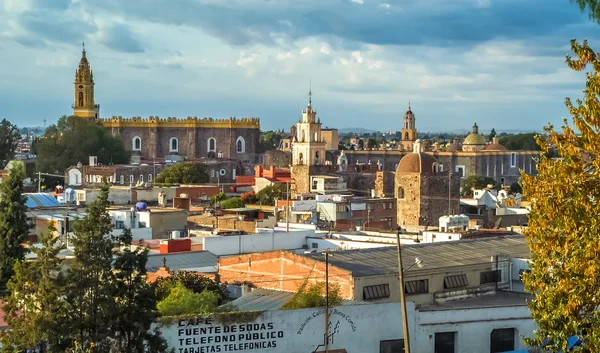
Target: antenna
(310, 92)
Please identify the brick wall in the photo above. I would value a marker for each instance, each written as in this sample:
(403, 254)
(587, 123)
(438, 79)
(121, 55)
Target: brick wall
(246, 226)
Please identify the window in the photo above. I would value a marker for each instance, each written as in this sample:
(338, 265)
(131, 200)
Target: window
(490, 276)
(456, 281)
(212, 173)
(316, 137)
(240, 145)
(460, 169)
(122, 179)
(136, 144)
(317, 157)
(119, 225)
(131, 179)
(173, 145)
(502, 340)
(441, 167)
(141, 177)
(315, 245)
(391, 346)
(379, 291)
(211, 144)
(513, 160)
(149, 177)
(340, 208)
(315, 184)
(444, 342)
(300, 158)
(400, 193)
(416, 287)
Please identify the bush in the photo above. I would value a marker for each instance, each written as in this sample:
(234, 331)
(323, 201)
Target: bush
(234, 202)
(268, 195)
(183, 301)
(248, 197)
(313, 296)
(191, 280)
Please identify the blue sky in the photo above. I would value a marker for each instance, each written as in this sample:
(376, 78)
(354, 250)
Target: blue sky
(499, 63)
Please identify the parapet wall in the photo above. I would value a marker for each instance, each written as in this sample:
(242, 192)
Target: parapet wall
(189, 122)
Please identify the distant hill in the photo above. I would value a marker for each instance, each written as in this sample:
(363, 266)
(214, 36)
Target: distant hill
(359, 130)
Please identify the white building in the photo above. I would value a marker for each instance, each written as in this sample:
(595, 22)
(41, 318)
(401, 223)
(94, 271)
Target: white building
(308, 147)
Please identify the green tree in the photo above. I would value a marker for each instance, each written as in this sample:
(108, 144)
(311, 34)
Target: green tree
(520, 142)
(191, 280)
(35, 309)
(313, 296)
(270, 140)
(73, 140)
(183, 301)
(476, 182)
(268, 195)
(13, 223)
(218, 198)
(592, 5)
(372, 143)
(492, 134)
(562, 232)
(9, 138)
(183, 173)
(233, 202)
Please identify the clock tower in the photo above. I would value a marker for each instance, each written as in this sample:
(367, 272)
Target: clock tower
(84, 105)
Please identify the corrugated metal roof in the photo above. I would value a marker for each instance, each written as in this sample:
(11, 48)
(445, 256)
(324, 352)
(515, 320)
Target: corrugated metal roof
(40, 199)
(376, 261)
(270, 299)
(182, 261)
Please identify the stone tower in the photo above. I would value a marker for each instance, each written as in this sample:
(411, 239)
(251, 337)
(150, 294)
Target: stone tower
(309, 148)
(409, 130)
(84, 105)
(423, 192)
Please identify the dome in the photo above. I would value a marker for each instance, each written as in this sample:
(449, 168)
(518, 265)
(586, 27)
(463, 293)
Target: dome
(454, 148)
(416, 163)
(495, 146)
(474, 138)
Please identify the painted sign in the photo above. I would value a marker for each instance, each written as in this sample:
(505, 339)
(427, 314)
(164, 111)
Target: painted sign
(204, 335)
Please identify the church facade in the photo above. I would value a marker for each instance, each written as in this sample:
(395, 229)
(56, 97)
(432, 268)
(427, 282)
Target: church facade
(171, 139)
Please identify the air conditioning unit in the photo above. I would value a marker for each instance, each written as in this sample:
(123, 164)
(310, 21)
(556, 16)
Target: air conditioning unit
(176, 234)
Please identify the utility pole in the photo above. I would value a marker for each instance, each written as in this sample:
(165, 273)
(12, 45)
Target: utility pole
(327, 301)
(449, 194)
(287, 208)
(402, 296)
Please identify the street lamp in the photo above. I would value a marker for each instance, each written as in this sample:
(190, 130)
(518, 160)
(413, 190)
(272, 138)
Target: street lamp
(402, 296)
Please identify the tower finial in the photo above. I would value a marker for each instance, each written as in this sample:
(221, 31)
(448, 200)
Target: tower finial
(409, 105)
(309, 92)
(83, 50)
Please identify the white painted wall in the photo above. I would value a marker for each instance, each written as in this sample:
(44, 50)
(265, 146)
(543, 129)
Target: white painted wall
(355, 328)
(242, 244)
(517, 266)
(136, 233)
(74, 177)
(435, 237)
(341, 244)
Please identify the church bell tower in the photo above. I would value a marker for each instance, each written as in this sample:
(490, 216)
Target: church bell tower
(84, 105)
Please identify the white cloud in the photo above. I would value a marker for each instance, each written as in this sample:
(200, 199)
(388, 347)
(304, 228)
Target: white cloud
(247, 59)
(386, 6)
(283, 56)
(325, 50)
(357, 57)
(358, 1)
(305, 50)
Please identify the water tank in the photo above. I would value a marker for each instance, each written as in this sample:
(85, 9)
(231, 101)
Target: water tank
(70, 196)
(141, 206)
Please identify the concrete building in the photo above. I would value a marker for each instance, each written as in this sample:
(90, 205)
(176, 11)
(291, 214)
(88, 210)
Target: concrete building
(451, 270)
(492, 324)
(165, 222)
(332, 139)
(120, 174)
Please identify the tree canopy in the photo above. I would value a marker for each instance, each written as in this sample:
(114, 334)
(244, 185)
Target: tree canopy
(313, 296)
(14, 227)
(268, 195)
(73, 140)
(269, 140)
(9, 138)
(563, 229)
(520, 142)
(191, 280)
(476, 182)
(183, 301)
(593, 6)
(232, 202)
(183, 173)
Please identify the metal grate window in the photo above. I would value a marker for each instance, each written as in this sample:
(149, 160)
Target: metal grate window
(376, 292)
(455, 281)
(416, 287)
(490, 276)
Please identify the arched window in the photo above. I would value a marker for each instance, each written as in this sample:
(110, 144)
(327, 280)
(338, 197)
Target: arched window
(173, 145)
(317, 157)
(300, 158)
(149, 177)
(240, 145)
(81, 99)
(141, 177)
(122, 179)
(316, 137)
(400, 193)
(211, 145)
(131, 179)
(136, 144)
(406, 135)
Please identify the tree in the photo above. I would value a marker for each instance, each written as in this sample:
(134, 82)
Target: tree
(592, 5)
(562, 232)
(183, 173)
(73, 140)
(361, 144)
(183, 301)
(9, 138)
(191, 280)
(313, 296)
(233, 202)
(268, 195)
(248, 197)
(269, 140)
(476, 182)
(13, 223)
(520, 142)
(34, 309)
(492, 134)
(218, 198)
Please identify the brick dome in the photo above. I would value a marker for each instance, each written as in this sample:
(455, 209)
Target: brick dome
(495, 146)
(416, 162)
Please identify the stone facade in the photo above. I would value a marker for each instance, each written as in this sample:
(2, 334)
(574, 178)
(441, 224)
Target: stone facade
(360, 179)
(277, 158)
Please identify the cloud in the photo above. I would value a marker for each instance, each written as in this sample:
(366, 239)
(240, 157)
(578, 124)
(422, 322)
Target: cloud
(120, 37)
(284, 56)
(325, 50)
(358, 1)
(305, 51)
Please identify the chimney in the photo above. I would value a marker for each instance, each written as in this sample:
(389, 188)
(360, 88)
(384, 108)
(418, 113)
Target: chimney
(93, 161)
(495, 140)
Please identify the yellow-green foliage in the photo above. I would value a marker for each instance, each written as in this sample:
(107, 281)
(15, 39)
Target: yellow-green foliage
(183, 301)
(564, 228)
(313, 296)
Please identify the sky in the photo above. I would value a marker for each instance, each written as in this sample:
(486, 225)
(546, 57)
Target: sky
(500, 63)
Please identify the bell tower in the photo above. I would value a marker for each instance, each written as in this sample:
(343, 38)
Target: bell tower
(84, 105)
(409, 130)
(309, 147)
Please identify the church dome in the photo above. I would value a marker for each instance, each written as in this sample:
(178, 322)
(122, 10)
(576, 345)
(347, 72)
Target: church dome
(474, 137)
(455, 147)
(495, 146)
(417, 162)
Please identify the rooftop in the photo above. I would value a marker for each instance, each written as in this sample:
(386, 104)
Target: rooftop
(182, 260)
(499, 299)
(40, 199)
(384, 260)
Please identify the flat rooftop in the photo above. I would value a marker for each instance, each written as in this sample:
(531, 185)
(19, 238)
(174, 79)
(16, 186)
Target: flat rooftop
(499, 299)
(384, 260)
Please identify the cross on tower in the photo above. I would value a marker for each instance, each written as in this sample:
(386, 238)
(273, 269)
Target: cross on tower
(310, 92)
